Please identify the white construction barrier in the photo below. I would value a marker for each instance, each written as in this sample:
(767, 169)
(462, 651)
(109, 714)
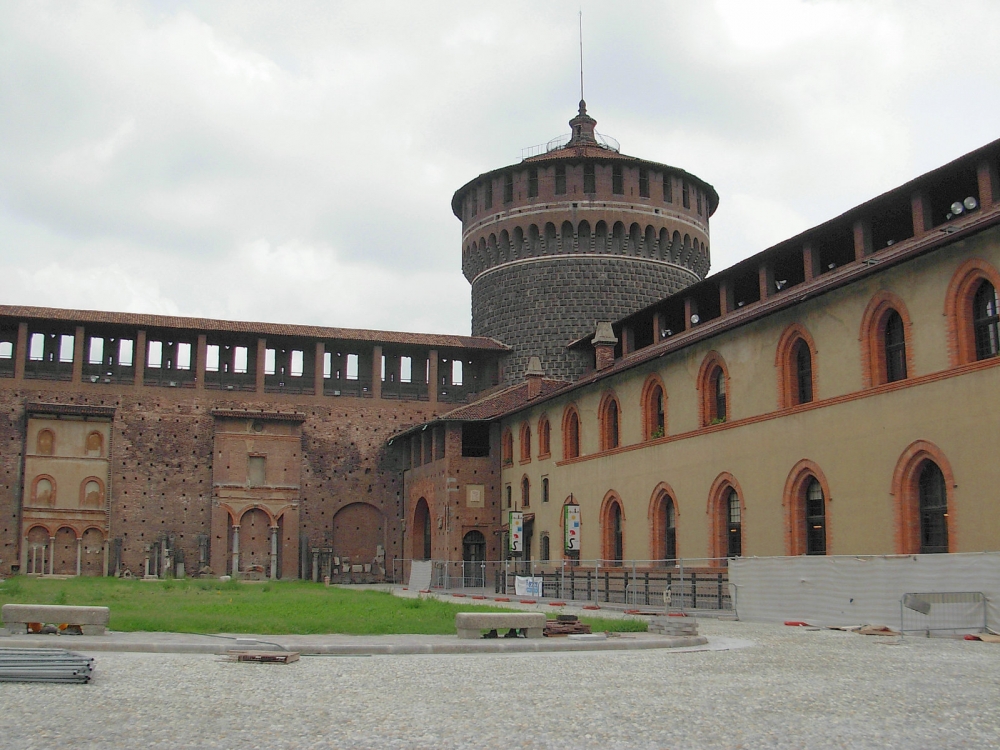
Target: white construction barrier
(841, 590)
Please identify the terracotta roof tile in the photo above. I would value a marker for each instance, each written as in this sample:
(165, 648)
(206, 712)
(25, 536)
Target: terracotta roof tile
(22, 312)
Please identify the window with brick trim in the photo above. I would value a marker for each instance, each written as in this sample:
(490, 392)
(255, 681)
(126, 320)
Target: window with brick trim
(654, 409)
(685, 195)
(545, 489)
(795, 360)
(571, 433)
(643, 183)
(886, 352)
(804, 499)
(560, 179)
(525, 442)
(507, 447)
(544, 437)
(713, 384)
(617, 180)
(921, 485)
(609, 417)
(532, 183)
(525, 492)
(986, 321)
(613, 530)
(933, 500)
(589, 179)
(508, 188)
(726, 514)
(734, 525)
(668, 189)
(663, 526)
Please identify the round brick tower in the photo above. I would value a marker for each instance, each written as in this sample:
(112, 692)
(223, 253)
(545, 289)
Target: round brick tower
(575, 235)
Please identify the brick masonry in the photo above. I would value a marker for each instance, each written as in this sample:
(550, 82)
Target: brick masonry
(538, 307)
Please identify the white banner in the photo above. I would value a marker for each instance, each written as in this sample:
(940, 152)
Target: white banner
(527, 586)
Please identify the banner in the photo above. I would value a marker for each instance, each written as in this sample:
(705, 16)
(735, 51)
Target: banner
(571, 527)
(527, 586)
(515, 525)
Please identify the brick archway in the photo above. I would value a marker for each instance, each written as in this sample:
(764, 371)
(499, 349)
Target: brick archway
(958, 307)
(793, 500)
(906, 495)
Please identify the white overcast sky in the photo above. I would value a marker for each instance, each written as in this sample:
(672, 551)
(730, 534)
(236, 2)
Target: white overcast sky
(294, 161)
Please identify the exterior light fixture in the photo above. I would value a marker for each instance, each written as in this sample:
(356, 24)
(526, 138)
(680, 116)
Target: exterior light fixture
(695, 319)
(957, 208)
(780, 284)
(665, 333)
(970, 203)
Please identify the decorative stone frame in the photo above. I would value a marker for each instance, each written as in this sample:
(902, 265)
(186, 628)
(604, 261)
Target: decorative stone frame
(872, 338)
(83, 492)
(706, 393)
(958, 308)
(655, 518)
(906, 496)
(787, 368)
(649, 425)
(34, 491)
(793, 500)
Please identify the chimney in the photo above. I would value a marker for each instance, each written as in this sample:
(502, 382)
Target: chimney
(534, 375)
(604, 345)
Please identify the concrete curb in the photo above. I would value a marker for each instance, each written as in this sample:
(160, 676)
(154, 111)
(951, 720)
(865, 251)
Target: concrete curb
(173, 643)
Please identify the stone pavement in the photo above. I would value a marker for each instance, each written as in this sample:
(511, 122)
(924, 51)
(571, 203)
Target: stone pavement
(786, 688)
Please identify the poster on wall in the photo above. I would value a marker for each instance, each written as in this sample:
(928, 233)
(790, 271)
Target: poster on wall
(571, 527)
(515, 523)
(528, 586)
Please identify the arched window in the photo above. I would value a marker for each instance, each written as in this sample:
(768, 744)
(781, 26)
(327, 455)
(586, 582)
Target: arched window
(654, 409)
(543, 547)
(718, 383)
(669, 531)
(92, 493)
(507, 448)
(545, 489)
(544, 437)
(663, 525)
(734, 525)
(525, 492)
(613, 528)
(886, 355)
(95, 444)
(803, 372)
(986, 321)
(973, 311)
(795, 360)
(713, 383)
(921, 484)
(609, 422)
(571, 433)
(525, 441)
(895, 348)
(933, 499)
(815, 519)
(45, 443)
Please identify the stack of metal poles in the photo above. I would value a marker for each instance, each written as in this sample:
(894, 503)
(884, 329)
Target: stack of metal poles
(44, 665)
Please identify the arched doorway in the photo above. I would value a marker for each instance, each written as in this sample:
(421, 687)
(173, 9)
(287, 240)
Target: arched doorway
(473, 557)
(255, 543)
(421, 531)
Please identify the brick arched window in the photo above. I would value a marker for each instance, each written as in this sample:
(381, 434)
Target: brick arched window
(524, 439)
(727, 515)
(525, 492)
(571, 433)
(544, 437)
(609, 419)
(972, 309)
(612, 529)
(805, 499)
(654, 408)
(713, 386)
(507, 447)
(795, 362)
(922, 485)
(45, 443)
(663, 525)
(886, 350)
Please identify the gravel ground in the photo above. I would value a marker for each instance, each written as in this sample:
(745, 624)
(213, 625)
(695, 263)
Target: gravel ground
(793, 688)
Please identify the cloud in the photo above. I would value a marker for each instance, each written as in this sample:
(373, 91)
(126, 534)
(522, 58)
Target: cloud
(296, 161)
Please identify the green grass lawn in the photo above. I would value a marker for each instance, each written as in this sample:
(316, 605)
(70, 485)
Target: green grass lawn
(273, 608)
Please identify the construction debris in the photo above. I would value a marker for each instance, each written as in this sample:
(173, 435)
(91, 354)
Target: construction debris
(565, 625)
(265, 657)
(44, 665)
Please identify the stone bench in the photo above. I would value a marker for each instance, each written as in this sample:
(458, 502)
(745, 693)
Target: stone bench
(471, 624)
(90, 620)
